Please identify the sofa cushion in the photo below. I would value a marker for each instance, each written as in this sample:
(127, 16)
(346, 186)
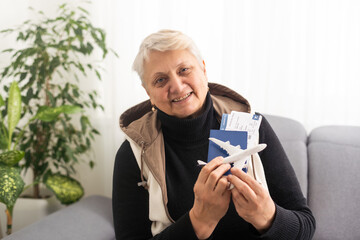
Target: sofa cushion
(91, 218)
(334, 195)
(293, 138)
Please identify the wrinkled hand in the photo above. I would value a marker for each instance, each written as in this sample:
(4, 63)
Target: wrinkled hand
(252, 202)
(212, 198)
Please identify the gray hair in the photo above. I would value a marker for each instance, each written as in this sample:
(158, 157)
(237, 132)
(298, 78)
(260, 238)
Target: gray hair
(164, 40)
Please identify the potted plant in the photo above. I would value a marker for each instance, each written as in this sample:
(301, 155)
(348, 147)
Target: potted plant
(57, 56)
(67, 189)
(11, 183)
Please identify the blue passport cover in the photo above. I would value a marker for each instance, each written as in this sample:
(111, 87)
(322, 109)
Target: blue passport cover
(235, 138)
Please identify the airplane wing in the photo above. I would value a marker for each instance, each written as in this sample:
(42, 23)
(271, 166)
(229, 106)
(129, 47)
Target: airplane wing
(241, 156)
(235, 153)
(230, 149)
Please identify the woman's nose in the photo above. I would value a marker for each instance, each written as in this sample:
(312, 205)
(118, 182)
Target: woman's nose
(176, 84)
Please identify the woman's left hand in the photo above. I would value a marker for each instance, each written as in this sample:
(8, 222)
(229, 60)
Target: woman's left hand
(252, 202)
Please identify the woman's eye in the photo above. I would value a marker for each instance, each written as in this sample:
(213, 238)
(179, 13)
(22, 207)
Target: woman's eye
(183, 69)
(160, 81)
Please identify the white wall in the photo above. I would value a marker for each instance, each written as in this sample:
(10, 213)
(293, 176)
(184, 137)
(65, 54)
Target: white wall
(298, 59)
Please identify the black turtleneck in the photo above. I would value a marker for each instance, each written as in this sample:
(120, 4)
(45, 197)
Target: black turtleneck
(186, 141)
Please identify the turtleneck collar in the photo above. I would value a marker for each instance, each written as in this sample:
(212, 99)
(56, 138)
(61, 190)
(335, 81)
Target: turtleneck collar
(189, 131)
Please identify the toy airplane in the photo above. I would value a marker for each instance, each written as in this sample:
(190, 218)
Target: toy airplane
(236, 154)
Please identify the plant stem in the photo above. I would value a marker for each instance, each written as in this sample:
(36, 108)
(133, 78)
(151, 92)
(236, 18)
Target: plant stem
(42, 159)
(47, 86)
(8, 212)
(36, 190)
(36, 186)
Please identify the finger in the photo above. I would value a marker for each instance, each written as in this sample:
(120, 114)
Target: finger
(243, 188)
(253, 184)
(222, 186)
(238, 198)
(215, 175)
(208, 168)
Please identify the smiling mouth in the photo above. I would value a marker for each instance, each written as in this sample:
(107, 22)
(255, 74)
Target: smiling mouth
(182, 98)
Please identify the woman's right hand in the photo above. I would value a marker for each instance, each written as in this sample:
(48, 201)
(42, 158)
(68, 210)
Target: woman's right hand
(212, 198)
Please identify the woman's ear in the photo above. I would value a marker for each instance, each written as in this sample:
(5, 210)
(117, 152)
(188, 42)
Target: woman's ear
(204, 66)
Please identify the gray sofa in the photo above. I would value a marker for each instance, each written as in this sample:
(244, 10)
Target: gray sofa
(326, 162)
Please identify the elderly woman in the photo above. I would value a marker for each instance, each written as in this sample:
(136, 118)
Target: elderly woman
(160, 192)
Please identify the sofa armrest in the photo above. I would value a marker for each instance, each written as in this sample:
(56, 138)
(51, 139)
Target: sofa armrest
(293, 138)
(334, 178)
(90, 218)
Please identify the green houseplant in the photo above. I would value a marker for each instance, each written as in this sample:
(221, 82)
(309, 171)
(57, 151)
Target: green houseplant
(11, 182)
(58, 54)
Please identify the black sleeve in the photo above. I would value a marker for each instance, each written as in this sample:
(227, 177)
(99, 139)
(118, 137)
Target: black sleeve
(293, 218)
(131, 204)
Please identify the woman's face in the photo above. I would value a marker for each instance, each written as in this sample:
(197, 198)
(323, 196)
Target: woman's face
(175, 82)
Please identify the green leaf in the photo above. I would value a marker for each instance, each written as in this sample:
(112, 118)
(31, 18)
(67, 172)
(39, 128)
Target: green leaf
(5, 72)
(84, 122)
(11, 185)
(95, 131)
(20, 36)
(82, 9)
(71, 109)
(92, 164)
(115, 53)
(23, 76)
(8, 50)
(14, 108)
(6, 30)
(98, 74)
(11, 158)
(62, 6)
(76, 92)
(49, 114)
(66, 189)
(2, 103)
